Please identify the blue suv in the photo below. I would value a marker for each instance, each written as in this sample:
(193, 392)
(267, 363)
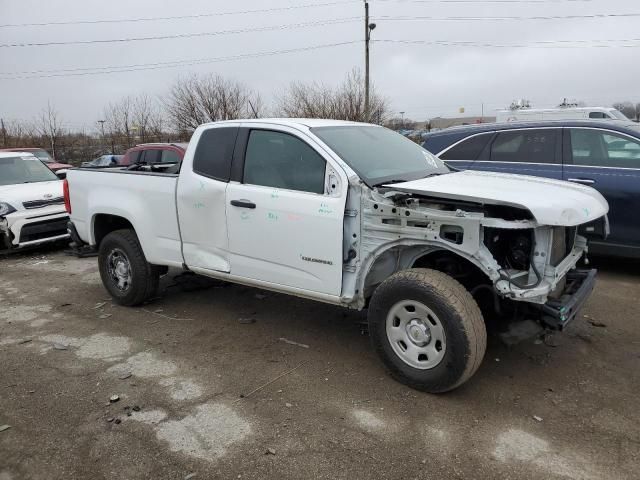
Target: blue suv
(602, 154)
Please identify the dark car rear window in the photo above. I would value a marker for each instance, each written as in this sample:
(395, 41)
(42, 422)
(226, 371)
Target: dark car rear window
(468, 149)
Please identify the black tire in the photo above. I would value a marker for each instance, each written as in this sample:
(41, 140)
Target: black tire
(144, 277)
(458, 315)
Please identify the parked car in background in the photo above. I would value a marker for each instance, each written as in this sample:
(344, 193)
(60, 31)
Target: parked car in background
(154, 153)
(560, 113)
(103, 161)
(42, 155)
(31, 202)
(602, 154)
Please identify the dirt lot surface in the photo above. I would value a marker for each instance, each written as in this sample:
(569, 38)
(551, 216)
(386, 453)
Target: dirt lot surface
(211, 385)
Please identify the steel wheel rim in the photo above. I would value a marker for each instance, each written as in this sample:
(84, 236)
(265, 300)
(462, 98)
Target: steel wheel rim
(416, 334)
(119, 269)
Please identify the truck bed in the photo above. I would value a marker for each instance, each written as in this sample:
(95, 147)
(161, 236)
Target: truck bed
(146, 199)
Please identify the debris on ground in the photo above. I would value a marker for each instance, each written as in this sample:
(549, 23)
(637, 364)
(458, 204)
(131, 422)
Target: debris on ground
(270, 451)
(59, 346)
(596, 323)
(291, 342)
(247, 321)
(114, 398)
(165, 316)
(99, 305)
(4, 427)
(537, 418)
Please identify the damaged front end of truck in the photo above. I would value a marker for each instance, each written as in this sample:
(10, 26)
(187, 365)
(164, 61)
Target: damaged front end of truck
(518, 260)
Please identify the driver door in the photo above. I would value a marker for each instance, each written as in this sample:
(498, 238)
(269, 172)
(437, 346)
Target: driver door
(284, 220)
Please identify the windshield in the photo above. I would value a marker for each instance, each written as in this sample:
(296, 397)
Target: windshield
(379, 155)
(15, 170)
(618, 114)
(42, 155)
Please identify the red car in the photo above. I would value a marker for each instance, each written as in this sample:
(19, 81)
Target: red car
(42, 155)
(153, 153)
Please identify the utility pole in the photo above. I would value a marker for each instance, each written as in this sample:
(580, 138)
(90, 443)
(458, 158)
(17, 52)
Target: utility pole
(101, 122)
(368, 27)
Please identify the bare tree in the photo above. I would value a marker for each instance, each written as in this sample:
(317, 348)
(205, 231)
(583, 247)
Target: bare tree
(147, 118)
(629, 109)
(49, 127)
(200, 99)
(344, 102)
(16, 133)
(119, 123)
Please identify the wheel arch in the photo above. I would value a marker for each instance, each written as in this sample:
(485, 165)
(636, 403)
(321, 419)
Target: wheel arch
(401, 255)
(105, 223)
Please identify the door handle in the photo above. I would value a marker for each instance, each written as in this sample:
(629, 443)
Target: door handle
(243, 203)
(584, 181)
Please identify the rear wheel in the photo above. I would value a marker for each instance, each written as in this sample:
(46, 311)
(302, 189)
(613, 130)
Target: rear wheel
(427, 329)
(124, 270)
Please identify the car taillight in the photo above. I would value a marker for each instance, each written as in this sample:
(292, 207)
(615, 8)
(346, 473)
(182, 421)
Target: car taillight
(67, 198)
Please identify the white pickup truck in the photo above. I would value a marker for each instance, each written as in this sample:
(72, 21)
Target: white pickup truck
(354, 215)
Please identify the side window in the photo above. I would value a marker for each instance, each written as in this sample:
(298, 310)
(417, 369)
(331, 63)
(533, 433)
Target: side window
(469, 149)
(528, 146)
(598, 115)
(132, 157)
(276, 159)
(214, 153)
(150, 156)
(169, 156)
(598, 148)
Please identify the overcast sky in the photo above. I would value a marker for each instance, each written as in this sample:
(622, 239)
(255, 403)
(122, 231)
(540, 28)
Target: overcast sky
(422, 79)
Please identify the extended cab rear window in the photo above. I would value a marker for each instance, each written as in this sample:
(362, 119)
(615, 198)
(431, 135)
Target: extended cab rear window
(214, 153)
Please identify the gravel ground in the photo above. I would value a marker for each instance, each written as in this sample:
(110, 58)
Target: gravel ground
(223, 381)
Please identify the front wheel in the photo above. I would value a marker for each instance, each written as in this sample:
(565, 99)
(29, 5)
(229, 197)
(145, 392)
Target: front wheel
(124, 270)
(427, 329)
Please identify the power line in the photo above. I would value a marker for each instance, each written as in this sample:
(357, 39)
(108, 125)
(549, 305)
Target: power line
(608, 43)
(178, 17)
(558, 2)
(159, 65)
(317, 23)
(536, 17)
